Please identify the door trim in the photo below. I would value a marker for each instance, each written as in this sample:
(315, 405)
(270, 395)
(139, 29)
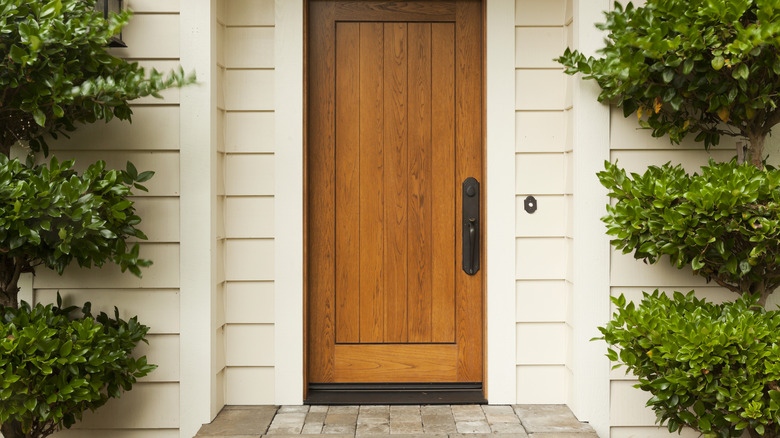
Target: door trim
(289, 359)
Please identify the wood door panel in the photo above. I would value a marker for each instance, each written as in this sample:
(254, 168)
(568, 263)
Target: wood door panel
(383, 10)
(371, 185)
(347, 178)
(445, 184)
(376, 363)
(419, 282)
(469, 137)
(394, 127)
(320, 267)
(396, 185)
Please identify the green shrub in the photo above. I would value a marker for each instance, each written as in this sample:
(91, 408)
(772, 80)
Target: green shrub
(53, 366)
(711, 367)
(702, 67)
(722, 222)
(50, 215)
(55, 72)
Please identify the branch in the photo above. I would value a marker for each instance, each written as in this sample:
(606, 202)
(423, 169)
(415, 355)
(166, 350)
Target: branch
(728, 286)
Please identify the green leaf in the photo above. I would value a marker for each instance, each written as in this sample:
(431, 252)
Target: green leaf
(40, 117)
(718, 62)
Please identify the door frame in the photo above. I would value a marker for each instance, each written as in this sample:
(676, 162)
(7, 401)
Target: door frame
(290, 216)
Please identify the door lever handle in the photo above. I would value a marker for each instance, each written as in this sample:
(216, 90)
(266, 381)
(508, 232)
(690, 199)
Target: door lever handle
(470, 216)
(472, 242)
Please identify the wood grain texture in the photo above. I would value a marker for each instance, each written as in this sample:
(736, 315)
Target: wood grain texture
(375, 363)
(383, 10)
(394, 125)
(420, 214)
(347, 179)
(445, 185)
(468, 128)
(371, 184)
(396, 165)
(320, 151)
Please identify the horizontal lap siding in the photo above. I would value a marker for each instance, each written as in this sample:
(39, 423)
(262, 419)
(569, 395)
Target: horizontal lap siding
(542, 168)
(248, 169)
(151, 142)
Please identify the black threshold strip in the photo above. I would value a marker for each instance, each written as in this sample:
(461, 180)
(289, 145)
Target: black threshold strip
(395, 394)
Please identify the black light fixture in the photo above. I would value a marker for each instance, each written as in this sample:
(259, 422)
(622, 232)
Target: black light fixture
(107, 7)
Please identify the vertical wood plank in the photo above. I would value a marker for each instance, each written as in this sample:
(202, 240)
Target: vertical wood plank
(347, 160)
(395, 146)
(321, 268)
(445, 186)
(419, 266)
(468, 127)
(371, 182)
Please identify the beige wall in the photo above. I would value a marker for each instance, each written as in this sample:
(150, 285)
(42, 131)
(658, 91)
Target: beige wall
(543, 169)
(247, 193)
(151, 143)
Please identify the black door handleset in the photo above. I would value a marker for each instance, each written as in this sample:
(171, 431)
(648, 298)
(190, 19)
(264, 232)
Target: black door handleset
(470, 226)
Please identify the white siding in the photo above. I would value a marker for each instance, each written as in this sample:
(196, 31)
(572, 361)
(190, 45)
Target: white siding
(151, 142)
(248, 169)
(542, 239)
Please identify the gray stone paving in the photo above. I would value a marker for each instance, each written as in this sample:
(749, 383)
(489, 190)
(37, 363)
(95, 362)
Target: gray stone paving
(427, 421)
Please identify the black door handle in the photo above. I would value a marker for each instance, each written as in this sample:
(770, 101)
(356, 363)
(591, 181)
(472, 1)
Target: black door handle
(470, 226)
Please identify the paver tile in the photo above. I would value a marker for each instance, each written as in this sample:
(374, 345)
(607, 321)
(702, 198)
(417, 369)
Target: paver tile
(240, 422)
(436, 410)
(341, 419)
(440, 428)
(284, 430)
(490, 435)
(312, 428)
(375, 409)
(288, 409)
(234, 436)
(565, 435)
(498, 410)
(338, 429)
(289, 418)
(343, 409)
(502, 418)
(473, 427)
(343, 435)
(549, 418)
(316, 417)
(507, 427)
(404, 410)
(372, 428)
(397, 427)
(437, 419)
(371, 419)
(318, 408)
(467, 413)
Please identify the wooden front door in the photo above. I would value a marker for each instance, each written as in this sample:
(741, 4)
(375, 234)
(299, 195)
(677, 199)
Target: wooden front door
(394, 129)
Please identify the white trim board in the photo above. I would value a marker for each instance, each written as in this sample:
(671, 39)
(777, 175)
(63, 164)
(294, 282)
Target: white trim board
(499, 196)
(591, 244)
(198, 186)
(288, 203)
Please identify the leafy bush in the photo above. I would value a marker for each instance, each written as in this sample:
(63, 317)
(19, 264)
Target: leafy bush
(722, 222)
(704, 67)
(55, 72)
(711, 367)
(50, 215)
(53, 367)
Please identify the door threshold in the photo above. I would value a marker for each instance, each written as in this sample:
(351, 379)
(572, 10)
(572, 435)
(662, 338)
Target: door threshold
(395, 394)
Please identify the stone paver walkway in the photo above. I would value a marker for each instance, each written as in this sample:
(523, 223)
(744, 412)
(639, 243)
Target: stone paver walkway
(427, 421)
